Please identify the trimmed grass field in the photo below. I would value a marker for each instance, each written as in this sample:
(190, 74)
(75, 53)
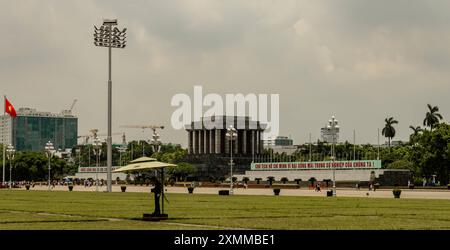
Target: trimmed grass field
(21, 209)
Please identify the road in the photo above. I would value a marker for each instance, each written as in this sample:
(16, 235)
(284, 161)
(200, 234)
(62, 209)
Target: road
(341, 192)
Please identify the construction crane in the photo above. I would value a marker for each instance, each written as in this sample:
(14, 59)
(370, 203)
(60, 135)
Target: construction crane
(68, 112)
(155, 135)
(94, 133)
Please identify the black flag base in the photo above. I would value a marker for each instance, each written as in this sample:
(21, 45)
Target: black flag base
(155, 217)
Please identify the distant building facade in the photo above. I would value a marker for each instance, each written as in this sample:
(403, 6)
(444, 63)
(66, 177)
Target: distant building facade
(283, 141)
(208, 136)
(31, 130)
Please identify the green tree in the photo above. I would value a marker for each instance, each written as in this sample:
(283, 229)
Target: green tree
(270, 179)
(432, 117)
(389, 130)
(416, 130)
(284, 180)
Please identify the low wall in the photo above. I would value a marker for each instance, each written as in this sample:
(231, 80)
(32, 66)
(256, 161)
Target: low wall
(305, 175)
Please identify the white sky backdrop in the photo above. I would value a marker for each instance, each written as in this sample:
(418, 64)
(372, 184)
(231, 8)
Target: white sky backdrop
(360, 60)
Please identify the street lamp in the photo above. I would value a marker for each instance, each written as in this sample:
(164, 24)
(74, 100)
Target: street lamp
(50, 150)
(156, 142)
(106, 36)
(231, 135)
(10, 154)
(97, 152)
(122, 149)
(332, 125)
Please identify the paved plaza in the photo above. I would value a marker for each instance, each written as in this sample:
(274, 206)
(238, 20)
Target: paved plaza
(341, 192)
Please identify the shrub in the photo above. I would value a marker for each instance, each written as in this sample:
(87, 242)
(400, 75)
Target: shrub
(397, 193)
(270, 179)
(276, 191)
(224, 192)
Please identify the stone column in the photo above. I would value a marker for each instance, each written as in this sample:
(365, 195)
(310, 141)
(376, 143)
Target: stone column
(201, 143)
(253, 143)
(194, 141)
(218, 142)
(189, 141)
(244, 142)
(258, 142)
(211, 142)
(206, 141)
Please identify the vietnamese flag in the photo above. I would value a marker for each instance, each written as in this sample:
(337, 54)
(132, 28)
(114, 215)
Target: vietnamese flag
(9, 108)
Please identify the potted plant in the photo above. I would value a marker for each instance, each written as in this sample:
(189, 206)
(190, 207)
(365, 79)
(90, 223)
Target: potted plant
(123, 188)
(276, 191)
(270, 179)
(258, 180)
(245, 179)
(70, 187)
(27, 186)
(191, 190)
(284, 180)
(397, 193)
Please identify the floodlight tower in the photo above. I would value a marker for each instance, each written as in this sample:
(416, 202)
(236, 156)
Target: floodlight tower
(106, 36)
(333, 126)
(231, 135)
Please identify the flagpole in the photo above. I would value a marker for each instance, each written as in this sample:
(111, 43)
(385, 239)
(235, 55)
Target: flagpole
(3, 135)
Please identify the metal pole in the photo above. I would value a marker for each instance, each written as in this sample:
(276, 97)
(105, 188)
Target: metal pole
(96, 169)
(310, 145)
(109, 139)
(333, 156)
(378, 155)
(10, 170)
(354, 145)
(3, 134)
(231, 162)
(49, 179)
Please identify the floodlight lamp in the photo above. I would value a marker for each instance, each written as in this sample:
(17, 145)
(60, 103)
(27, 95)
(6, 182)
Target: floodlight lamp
(109, 21)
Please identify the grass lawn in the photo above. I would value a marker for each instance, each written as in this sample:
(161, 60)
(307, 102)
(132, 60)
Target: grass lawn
(21, 209)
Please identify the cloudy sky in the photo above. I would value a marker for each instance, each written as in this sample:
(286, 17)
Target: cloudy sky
(360, 60)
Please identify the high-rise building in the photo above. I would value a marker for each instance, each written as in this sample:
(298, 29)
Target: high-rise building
(31, 129)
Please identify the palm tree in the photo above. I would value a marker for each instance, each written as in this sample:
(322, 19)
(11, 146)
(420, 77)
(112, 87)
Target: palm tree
(432, 117)
(388, 130)
(416, 131)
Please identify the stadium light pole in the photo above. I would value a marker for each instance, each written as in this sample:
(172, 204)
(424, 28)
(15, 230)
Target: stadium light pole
(231, 135)
(50, 150)
(10, 154)
(97, 152)
(332, 125)
(106, 36)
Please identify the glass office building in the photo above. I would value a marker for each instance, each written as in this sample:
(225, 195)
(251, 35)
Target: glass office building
(31, 130)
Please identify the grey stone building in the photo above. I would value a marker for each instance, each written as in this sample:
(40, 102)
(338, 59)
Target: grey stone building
(208, 136)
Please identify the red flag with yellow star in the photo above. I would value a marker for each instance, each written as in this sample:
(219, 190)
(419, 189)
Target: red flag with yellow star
(9, 108)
